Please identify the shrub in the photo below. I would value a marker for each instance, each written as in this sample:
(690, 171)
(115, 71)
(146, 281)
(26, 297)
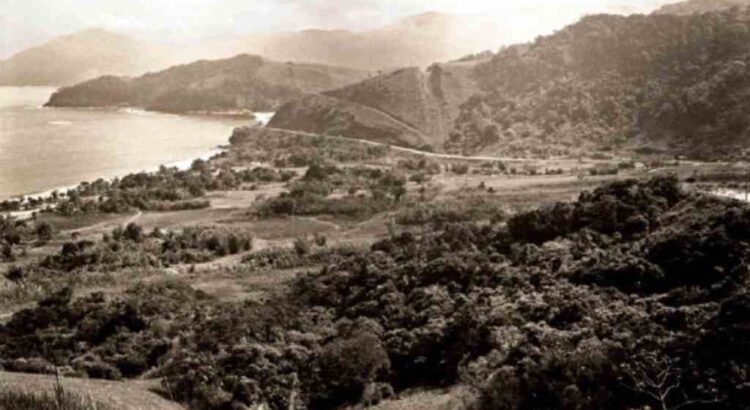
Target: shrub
(301, 246)
(15, 274)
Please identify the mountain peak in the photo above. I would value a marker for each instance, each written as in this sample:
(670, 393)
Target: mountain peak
(94, 32)
(430, 17)
(82, 55)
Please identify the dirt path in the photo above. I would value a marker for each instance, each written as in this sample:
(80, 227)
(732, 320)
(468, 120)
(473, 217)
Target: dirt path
(435, 154)
(94, 229)
(333, 225)
(114, 395)
(233, 260)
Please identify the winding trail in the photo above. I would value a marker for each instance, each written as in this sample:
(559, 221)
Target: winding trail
(333, 225)
(106, 224)
(259, 244)
(433, 154)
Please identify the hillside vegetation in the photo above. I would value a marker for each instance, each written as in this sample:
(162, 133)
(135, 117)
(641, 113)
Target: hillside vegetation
(576, 305)
(658, 83)
(320, 114)
(408, 107)
(654, 82)
(243, 82)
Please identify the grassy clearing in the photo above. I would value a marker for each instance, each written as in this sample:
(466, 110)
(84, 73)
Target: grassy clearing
(283, 228)
(181, 219)
(57, 399)
(239, 285)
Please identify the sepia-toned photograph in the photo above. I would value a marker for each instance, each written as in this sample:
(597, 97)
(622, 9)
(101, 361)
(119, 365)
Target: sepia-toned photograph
(374, 204)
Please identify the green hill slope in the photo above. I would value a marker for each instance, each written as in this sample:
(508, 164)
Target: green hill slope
(238, 83)
(407, 107)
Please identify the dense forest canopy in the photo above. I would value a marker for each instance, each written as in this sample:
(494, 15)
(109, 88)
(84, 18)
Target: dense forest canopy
(677, 83)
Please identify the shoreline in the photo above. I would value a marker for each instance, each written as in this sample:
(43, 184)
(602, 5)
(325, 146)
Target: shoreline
(259, 118)
(181, 165)
(27, 214)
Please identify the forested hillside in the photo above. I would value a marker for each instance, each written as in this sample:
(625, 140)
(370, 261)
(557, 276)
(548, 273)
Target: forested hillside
(674, 83)
(658, 83)
(242, 82)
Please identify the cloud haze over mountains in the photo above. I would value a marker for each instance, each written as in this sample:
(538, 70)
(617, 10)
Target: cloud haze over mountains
(24, 23)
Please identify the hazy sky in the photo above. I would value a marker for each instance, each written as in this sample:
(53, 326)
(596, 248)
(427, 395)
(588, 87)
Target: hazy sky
(24, 23)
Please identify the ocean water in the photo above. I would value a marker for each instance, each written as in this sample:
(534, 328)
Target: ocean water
(47, 148)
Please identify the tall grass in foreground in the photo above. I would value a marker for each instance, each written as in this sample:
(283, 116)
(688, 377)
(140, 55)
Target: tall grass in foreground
(58, 399)
(44, 401)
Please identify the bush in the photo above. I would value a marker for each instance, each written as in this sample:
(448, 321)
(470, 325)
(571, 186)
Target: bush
(349, 363)
(15, 274)
(301, 246)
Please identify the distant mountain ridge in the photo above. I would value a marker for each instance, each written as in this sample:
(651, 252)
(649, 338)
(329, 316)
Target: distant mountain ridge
(412, 41)
(244, 82)
(86, 54)
(689, 7)
(418, 40)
